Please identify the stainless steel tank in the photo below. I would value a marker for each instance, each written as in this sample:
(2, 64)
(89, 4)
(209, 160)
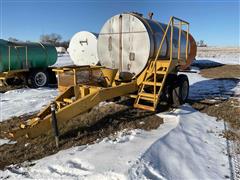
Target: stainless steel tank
(127, 41)
(83, 48)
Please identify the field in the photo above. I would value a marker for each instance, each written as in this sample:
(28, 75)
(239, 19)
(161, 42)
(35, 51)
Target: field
(199, 140)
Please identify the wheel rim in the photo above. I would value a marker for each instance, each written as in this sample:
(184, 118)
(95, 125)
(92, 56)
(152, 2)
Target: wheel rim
(40, 79)
(184, 92)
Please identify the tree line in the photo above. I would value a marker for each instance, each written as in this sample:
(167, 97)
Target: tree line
(53, 38)
(56, 40)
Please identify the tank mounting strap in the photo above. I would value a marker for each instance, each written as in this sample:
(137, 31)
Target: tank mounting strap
(46, 59)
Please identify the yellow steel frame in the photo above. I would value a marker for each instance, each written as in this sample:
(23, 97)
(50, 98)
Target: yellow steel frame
(10, 74)
(75, 100)
(73, 70)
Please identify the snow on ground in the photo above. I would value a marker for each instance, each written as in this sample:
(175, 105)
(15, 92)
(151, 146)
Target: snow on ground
(201, 87)
(227, 55)
(186, 146)
(193, 150)
(21, 101)
(6, 141)
(231, 59)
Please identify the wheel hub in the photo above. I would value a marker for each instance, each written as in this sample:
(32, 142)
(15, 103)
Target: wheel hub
(40, 79)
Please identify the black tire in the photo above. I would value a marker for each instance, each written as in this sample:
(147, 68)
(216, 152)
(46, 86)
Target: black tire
(180, 91)
(38, 78)
(52, 79)
(14, 81)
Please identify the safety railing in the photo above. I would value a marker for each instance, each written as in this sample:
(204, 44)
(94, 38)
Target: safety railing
(171, 25)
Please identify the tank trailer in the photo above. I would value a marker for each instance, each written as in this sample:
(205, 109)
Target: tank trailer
(140, 58)
(26, 62)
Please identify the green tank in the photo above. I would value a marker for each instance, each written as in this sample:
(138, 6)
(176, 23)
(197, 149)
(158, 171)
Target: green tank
(26, 55)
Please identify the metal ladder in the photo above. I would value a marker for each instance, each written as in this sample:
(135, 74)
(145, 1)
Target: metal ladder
(157, 71)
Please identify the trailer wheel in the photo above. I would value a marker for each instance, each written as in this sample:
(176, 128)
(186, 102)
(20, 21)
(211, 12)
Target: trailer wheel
(38, 79)
(180, 91)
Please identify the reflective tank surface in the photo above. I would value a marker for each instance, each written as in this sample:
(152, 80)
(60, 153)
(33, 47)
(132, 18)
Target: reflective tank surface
(83, 48)
(127, 41)
(25, 55)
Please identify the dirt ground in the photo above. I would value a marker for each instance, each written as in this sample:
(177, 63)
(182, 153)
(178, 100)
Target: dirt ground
(223, 71)
(225, 109)
(99, 123)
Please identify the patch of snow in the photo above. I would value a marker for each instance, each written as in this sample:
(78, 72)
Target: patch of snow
(230, 59)
(6, 141)
(122, 137)
(22, 101)
(193, 150)
(201, 87)
(103, 103)
(236, 90)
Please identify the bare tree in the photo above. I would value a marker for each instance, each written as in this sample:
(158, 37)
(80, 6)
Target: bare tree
(51, 38)
(13, 39)
(201, 44)
(64, 44)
